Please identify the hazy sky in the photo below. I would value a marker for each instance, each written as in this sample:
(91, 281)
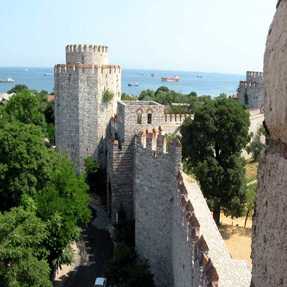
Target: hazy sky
(193, 35)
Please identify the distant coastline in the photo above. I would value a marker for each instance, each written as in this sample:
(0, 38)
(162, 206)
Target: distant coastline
(200, 82)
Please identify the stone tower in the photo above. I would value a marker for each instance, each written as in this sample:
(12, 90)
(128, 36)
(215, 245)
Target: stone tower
(87, 90)
(269, 245)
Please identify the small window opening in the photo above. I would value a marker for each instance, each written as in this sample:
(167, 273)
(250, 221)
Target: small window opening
(139, 118)
(149, 118)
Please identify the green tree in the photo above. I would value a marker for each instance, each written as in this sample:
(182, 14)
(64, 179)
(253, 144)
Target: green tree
(127, 270)
(18, 88)
(212, 145)
(22, 256)
(250, 200)
(257, 145)
(25, 166)
(63, 204)
(26, 108)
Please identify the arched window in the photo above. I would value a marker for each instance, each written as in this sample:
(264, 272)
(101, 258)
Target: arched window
(149, 118)
(139, 117)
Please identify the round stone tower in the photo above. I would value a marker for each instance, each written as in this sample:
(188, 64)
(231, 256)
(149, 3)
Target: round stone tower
(87, 54)
(87, 91)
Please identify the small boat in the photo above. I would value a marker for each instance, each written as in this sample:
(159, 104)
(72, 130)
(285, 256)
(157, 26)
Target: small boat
(199, 76)
(133, 84)
(152, 75)
(47, 74)
(170, 79)
(9, 80)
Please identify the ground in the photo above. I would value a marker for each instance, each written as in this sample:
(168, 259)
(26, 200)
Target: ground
(91, 253)
(236, 237)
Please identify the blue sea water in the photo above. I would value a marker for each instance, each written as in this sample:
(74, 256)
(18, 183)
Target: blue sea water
(202, 83)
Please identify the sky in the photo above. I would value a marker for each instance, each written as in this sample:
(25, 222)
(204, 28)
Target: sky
(226, 36)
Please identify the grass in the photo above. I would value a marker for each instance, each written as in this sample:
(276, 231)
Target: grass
(251, 171)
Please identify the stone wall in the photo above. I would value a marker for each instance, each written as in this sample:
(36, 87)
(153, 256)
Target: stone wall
(269, 223)
(81, 115)
(175, 230)
(251, 91)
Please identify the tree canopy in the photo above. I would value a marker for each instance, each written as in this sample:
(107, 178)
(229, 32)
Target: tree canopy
(22, 256)
(212, 145)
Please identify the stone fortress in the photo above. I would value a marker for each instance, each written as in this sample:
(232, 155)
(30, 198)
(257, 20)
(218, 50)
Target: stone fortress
(174, 228)
(251, 91)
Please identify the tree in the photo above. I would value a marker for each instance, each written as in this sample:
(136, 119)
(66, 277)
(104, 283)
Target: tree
(25, 166)
(18, 88)
(257, 145)
(212, 144)
(250, 200)
(29, 168)
(26, 108)
(22, 256)
(127, 270)
(63, 204)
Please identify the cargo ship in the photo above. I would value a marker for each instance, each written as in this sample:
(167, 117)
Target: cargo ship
(170, 79)
(9, 80)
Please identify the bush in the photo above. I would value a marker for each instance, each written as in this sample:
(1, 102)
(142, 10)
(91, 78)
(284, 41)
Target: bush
(107, 96)
(256, 146)
(126, 269)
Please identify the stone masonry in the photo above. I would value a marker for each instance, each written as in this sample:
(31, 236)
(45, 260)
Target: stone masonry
(251, 91)
(175, 230)
(81, 114)
(269, 245)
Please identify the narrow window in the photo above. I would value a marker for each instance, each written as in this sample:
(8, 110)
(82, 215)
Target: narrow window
(139, 118)
(149, 118)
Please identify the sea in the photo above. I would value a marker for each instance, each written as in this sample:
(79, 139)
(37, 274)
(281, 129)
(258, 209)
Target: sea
(212, 84)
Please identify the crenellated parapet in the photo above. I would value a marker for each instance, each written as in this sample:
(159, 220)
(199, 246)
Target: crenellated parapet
(176, 118)
(87, 54)
(92, 68)
(203, 264)
(252, 76)
(156, 144)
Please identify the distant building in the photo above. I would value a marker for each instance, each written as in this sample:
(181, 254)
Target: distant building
(4, 97)
(251, 91)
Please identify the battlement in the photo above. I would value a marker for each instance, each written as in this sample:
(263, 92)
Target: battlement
(210, 274)
(92, 68)
(248, 84)
(254, 76)
(156, 143)
(176, 118)
(87, 54)
(85, 48)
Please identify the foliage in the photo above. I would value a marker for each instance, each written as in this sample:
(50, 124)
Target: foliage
(25, 165)
(92, 170)
(22, 256)
(212, 144)
(257, 145)
(250, 199)
(127, 97)
(127, 270)
(18, 88)
(25, 107)
(107, 96)
(63, 204)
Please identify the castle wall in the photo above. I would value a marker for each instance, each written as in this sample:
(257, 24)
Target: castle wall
(120, 179)
(82, 115)
(87, 54)
(175, 230)
(67, 113)
(269, 245)
(153, 199)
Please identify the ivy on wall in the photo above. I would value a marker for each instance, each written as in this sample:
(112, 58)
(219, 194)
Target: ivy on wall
(107, 96)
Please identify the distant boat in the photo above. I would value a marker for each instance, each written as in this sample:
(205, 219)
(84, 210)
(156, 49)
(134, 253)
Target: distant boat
(9, 80)
(133, 84)
(170, 79)
(152, 74)
(47, 74)
(199, 76)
